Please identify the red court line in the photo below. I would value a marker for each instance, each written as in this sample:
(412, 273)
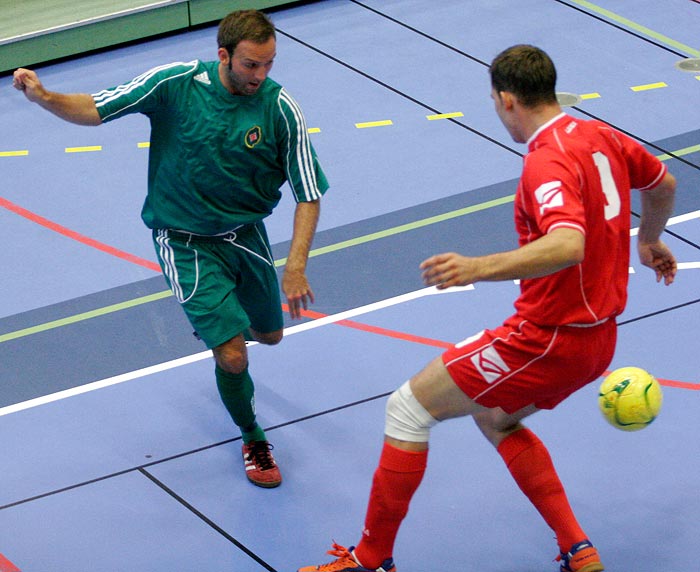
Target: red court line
(7, 566)
(306, 313)
(679, 384)
(376, 330)
(670, 382)
(440, 344)
(29, 215)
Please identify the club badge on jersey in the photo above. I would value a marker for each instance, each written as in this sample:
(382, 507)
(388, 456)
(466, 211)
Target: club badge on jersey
(253, 136)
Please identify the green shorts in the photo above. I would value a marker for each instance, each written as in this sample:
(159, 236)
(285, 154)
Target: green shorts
(225, 284)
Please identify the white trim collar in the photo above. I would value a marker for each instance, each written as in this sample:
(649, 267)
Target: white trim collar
(543, 127)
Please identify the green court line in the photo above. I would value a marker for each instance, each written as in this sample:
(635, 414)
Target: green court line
(84, 316)
(282, 261)
(637, 27)
(680, 152)
(404, 228)
(316, 252)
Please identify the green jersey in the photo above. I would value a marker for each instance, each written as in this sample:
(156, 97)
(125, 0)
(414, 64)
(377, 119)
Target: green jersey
(216, 160)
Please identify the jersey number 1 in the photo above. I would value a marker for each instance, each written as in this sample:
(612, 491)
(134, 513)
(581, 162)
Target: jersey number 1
(612, 196)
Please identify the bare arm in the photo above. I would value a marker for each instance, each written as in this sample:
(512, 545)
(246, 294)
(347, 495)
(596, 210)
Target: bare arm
(294, 282)
(559, 249)
(657, 206)
(76, 108)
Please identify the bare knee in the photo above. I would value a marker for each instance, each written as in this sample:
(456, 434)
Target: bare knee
(232, 356)
(268, 338)
(496, 425)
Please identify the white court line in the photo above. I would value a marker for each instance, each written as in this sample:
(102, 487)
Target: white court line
(288, 332)
(372, 307)
(151, 370)
(673, 220)
(676, 220)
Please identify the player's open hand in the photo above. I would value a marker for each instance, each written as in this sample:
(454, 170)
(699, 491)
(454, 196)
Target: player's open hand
(660, 259)
(298, 292)
(449, 269)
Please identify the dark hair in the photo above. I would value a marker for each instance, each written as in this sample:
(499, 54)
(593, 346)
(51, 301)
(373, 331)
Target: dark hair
(251, 25)
(527, 72)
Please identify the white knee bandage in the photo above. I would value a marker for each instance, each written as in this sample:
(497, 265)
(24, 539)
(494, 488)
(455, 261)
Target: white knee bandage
(406, 418)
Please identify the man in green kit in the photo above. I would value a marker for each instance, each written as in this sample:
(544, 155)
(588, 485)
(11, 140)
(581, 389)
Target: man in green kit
(224, 139)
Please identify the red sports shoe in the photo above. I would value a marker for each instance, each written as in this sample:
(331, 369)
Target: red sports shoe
(260, 466)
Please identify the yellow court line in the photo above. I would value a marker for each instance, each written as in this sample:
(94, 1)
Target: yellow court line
(14, 153)
(84, 149)
(374, 124)
(445, 115)
(364, 125)
(315, 252)
(649, 86)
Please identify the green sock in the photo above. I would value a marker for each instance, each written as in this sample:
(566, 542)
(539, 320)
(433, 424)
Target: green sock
(238, 395)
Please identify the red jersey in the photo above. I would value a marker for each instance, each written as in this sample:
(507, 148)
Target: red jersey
(578, 174)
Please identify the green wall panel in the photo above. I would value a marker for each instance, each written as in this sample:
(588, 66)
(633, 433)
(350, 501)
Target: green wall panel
(204, 11)
(96, 28)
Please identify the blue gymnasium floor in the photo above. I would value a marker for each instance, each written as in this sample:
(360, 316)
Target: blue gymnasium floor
(116, 453)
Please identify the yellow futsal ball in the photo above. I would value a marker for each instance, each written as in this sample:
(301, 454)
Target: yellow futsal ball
(630, 398)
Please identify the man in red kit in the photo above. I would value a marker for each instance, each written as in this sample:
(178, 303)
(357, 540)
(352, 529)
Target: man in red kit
(572, 215)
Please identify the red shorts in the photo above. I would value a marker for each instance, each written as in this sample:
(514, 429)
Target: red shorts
(520, 363)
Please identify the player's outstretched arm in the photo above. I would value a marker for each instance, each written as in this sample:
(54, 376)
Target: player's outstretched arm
(550, 253)
(657, 207)
(76, 108)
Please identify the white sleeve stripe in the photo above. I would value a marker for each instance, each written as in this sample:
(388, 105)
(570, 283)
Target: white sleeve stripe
(303, 149)
(657, 180)
(107, 96)
(566, 224)
(304, 156)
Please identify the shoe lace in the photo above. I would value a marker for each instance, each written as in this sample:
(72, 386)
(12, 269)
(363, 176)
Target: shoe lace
(260, 451)
(341, 553)
(564, 559)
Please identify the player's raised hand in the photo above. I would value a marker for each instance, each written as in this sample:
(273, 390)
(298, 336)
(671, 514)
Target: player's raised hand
(449, 269)
(77, 108)
(27, 81)
(660, 259)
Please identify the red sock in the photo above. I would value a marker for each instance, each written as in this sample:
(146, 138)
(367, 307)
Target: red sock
(531, 466)
(395, 480)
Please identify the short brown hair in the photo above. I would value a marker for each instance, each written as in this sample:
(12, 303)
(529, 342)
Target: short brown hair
(251, 25)
(527, 72)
